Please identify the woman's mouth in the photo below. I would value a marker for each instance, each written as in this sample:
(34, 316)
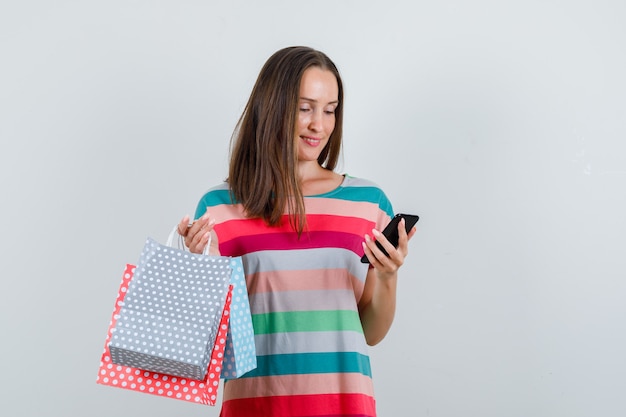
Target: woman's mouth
(311, 141)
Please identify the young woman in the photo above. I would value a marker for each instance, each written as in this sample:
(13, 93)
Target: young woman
(301, 229)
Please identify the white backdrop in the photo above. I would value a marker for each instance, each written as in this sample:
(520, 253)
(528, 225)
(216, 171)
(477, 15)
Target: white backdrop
(502, 124)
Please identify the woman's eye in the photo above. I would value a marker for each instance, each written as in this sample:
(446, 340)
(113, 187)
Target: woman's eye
(304, 109)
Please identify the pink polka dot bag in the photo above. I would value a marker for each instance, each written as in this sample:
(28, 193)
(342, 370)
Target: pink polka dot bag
(186, 389)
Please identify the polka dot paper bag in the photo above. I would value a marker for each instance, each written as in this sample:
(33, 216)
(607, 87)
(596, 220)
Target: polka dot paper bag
(131, 378)
(171, 311)
(240, 350)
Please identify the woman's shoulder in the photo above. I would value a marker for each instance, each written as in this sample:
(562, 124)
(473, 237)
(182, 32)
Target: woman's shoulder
(362, 189)
(217, 194)
(219, 187)
(350, 181)
(362, 185)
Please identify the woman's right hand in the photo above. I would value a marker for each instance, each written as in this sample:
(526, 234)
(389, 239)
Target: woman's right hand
(197, 234)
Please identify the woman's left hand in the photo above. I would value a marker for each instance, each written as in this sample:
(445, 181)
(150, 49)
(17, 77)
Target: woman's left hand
(387, 266)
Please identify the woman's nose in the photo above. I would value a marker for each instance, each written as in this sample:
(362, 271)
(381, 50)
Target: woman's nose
(315, 123)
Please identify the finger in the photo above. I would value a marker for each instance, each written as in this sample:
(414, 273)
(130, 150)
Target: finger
(368, 252)
(201, 243)
(402, 228)
(395, 257)
(195, 228)
(402, 237)
(382, 239)
(377, 257)
(195, 242)
(201, 238)
(195, 238)
(183, 225)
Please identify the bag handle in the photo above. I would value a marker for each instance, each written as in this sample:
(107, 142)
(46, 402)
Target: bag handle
(181, 241)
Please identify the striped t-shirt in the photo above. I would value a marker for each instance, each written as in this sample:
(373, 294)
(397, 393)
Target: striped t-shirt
(312, 357)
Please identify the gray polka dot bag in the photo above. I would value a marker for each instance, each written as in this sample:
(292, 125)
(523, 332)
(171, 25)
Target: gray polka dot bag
(169, 318)
(164, 385)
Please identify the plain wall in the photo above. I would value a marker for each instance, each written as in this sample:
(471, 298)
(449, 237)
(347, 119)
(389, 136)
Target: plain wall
(502, 124)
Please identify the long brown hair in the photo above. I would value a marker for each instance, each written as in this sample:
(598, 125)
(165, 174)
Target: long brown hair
(263, 174)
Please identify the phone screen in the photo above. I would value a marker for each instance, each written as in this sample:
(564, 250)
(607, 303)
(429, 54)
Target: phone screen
(391, 231)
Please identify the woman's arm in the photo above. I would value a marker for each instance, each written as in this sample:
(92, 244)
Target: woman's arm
(377, 305)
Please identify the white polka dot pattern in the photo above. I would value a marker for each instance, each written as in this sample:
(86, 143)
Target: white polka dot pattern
(240, 351)
(130, 378)
(171, 312)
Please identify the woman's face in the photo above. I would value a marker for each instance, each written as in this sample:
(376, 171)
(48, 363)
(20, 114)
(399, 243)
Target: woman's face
(319, 94)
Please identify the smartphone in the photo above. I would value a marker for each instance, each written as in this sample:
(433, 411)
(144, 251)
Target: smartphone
(391, 231)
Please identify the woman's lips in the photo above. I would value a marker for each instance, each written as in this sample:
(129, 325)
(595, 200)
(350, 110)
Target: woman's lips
(311, 141)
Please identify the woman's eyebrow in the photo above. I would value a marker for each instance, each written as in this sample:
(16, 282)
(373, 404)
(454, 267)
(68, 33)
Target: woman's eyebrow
(315, 101)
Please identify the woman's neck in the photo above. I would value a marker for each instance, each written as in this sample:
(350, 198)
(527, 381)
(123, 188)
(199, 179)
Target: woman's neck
(315, 179)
